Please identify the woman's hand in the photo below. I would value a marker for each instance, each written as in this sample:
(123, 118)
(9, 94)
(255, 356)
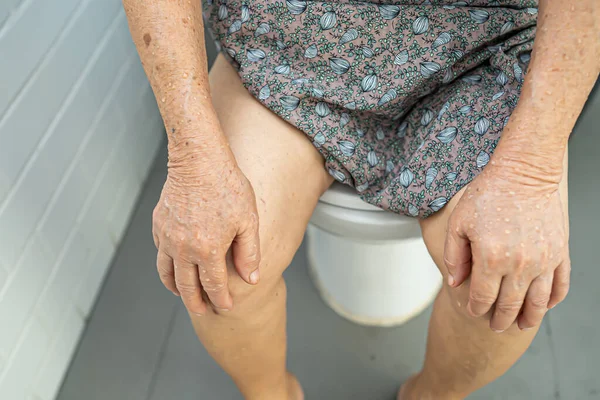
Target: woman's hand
(207, 204)
(509, 233)
(204, 209)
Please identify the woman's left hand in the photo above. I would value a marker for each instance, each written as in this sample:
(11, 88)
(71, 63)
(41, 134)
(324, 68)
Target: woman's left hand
(509, 233)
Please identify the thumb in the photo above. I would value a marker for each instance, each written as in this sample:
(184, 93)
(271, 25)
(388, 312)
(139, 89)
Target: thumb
(457, 255)
(246, 253)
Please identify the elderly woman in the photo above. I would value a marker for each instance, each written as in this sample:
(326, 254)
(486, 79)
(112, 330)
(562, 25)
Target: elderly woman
(455, 112)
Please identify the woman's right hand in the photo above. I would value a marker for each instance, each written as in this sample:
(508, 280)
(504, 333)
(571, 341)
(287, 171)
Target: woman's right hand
(207, 205)
(204, 209)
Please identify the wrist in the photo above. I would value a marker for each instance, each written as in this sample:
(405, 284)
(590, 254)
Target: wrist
(532, 147)
(189, 153)
(527, 166)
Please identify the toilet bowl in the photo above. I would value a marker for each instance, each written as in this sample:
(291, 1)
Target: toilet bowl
(369, 265)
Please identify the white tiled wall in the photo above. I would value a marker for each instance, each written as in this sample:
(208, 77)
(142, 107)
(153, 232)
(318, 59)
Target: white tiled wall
(78, 132)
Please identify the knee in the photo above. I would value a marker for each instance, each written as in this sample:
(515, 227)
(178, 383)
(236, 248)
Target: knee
(459, 297)
(276, 255)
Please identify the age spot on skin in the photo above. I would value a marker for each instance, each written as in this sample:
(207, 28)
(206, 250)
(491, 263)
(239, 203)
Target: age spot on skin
(147, 39)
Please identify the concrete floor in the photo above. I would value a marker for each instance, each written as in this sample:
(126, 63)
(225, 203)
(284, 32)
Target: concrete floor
(139, 343)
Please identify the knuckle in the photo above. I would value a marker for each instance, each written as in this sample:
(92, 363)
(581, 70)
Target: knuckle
(530, 322)
(566, 275)
(508, 307)
(213, 282)
(538, 302)
(252, 260)
(213, 287)
(452, 264)
(213, 275)
(164, 275)
(207, 250)
(483, 298)
(527, 263)
(186, 289)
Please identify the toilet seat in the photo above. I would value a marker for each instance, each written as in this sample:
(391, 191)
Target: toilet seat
(340, 211)
(345, 196)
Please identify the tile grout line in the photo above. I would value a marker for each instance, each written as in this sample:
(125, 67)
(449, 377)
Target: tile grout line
(555, 371)
(161, 353)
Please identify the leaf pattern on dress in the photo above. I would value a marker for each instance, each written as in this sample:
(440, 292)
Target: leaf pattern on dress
(349, 36)
(311, 51)
(347, 147)
(328, 20)
(255, 55)
(442, 39)
(447, 135)
(339, 65)
(296, 6)
(289, 103)
(430, 176)
(429, 68)
(405, 100)
(421, 25)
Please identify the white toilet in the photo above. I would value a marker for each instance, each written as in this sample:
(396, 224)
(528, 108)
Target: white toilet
(369, 265)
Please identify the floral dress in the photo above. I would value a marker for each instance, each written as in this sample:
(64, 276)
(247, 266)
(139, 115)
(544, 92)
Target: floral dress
(405, 100)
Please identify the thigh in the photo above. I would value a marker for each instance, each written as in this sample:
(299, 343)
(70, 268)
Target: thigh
(434, 234)
(285, 170)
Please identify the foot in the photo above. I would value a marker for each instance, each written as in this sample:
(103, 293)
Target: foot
(294, 389)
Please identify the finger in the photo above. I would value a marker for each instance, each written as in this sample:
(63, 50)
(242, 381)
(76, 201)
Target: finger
(246, 254)
(457, 256)
(483, 292)
(164, 265)
(188, 284)
(510, 300)
(561, 283)
(536, 302)
(213, 275)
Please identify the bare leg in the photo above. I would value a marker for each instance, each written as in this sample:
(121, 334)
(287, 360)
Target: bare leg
(463, 353)
(288, 177)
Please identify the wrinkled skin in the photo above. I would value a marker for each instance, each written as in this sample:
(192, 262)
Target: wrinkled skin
(509, 234)
(198, 218)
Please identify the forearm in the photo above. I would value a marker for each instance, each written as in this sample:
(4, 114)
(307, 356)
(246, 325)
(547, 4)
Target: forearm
(564, 66)
(169, 37)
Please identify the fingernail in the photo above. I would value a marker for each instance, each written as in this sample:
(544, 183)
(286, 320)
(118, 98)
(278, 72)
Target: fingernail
(451, 280)
(527, 328)
(176, 294)
(498, 330)
(198, 315)
(254, 277)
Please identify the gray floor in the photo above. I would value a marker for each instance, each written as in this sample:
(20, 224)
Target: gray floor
(139, 343)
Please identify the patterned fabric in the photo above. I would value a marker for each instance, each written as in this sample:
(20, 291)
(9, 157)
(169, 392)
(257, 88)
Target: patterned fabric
(405, 100)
